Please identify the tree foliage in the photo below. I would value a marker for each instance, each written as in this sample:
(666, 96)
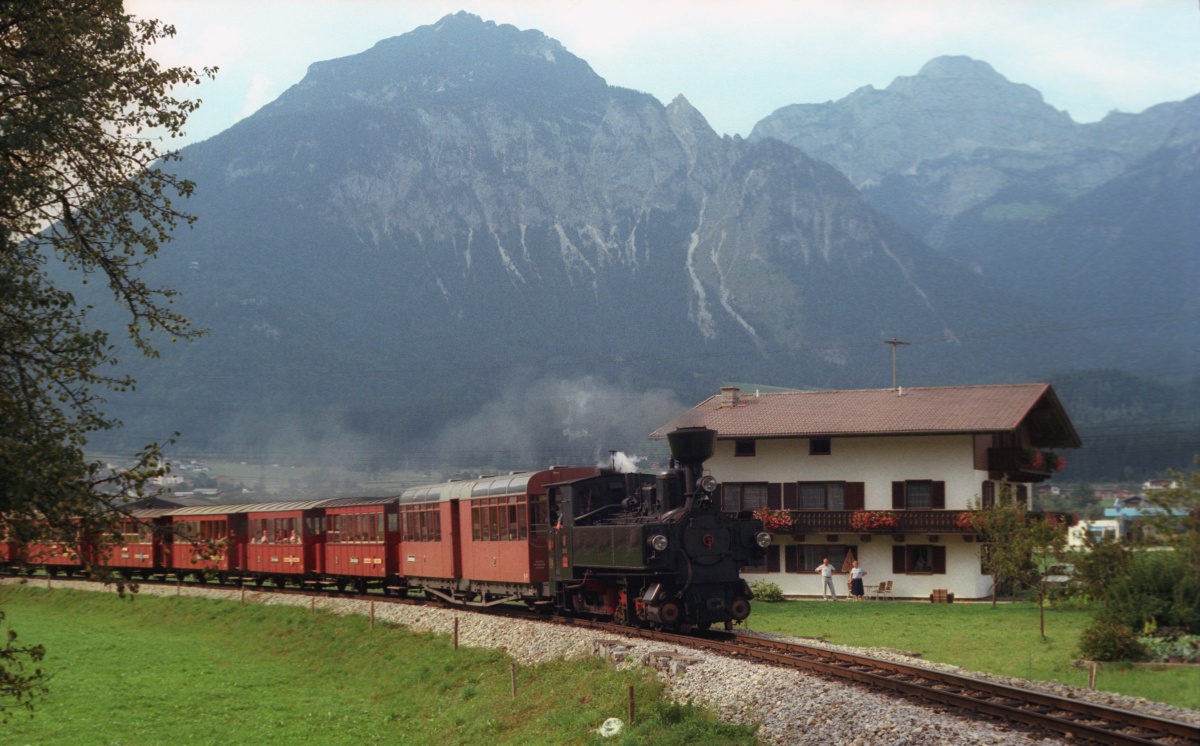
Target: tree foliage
(83, 113)
(1021, 547)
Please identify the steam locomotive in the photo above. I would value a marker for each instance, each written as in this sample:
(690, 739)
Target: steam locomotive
(655, 549)
(642, 549)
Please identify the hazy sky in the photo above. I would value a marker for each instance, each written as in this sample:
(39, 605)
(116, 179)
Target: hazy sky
(735, 61)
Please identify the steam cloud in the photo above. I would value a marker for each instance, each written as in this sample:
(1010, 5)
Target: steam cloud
(557, 421)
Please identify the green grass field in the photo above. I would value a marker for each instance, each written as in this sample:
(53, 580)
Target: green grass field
(156, 670)
(1002, 640)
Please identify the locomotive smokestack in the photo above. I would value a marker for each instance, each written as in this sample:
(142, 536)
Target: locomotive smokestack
(691, 447)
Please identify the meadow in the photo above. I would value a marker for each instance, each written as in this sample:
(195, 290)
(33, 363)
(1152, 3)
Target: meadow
(152, 670)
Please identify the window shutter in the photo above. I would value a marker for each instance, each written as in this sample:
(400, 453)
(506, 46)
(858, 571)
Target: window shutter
(791, 496)
(937, 497)
(772, 558)
(855, 495)
(898, 565)
(773, 496)
(897, 495)
(791, 558)
(938, 555)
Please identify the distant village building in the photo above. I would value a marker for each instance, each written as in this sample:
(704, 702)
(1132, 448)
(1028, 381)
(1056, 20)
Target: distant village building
(881, 475)
(1100, 530)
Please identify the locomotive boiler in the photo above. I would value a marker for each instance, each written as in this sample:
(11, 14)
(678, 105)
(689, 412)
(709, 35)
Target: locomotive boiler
(654, 549)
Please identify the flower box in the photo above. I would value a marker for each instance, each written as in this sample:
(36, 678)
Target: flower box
(874, 520)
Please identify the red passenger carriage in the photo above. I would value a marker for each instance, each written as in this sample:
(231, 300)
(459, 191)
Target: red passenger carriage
(142, 540)
(286, 541)
(361, 539)
(205, 540)
(490, 541)
(55, 557)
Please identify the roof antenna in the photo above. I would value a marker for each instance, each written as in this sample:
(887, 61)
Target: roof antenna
(613, 456)
(894, 342)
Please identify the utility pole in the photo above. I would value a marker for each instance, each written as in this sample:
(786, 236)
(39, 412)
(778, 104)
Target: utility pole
(894, 343)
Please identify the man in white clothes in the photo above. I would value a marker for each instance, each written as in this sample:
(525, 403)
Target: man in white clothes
(826, 570)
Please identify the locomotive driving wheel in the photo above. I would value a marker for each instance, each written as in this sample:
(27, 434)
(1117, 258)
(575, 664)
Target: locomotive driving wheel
(621, 616)
(669, 613)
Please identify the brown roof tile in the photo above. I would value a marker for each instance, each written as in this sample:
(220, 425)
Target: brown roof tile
(951, 409)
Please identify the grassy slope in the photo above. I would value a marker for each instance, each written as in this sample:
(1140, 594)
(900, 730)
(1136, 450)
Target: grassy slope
(163, 669)
(1003, 640)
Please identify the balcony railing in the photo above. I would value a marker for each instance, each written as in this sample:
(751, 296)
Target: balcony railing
(907, 522)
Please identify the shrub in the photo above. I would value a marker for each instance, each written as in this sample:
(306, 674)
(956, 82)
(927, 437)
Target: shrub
(765, 590)
(1109, 641)
(1157, 591)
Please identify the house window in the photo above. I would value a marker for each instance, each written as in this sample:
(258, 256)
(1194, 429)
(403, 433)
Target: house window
(918, 494)
(744, 447)
(823, 496)
(919, 560)
(737, 497)
(988, 498)
(770, 562)
(820, 447)
(805, 558)
(819, 496)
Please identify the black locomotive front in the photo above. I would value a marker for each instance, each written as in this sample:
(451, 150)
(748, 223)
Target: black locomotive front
(654, 549)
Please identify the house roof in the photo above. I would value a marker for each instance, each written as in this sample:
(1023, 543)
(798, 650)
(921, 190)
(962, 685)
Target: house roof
(910, 411)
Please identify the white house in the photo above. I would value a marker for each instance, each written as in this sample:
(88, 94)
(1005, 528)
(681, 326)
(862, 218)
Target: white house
(882, 474)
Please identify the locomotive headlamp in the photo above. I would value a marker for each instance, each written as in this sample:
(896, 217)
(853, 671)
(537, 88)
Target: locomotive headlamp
(708, 483)
(763, 539)
(659, 542)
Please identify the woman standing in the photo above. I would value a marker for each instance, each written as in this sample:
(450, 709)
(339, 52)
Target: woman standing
(856, 581)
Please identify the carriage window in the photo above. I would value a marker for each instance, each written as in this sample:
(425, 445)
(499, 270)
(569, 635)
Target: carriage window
(421, 523)
(501, 519)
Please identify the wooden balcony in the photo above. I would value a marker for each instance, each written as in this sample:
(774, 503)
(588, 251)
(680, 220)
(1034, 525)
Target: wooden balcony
(909, 522)
(1010, 463)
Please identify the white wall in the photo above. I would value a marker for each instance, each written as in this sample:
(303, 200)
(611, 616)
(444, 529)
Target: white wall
(877, 462)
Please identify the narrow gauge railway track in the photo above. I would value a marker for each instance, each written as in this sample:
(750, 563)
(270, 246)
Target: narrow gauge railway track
(1048, 713)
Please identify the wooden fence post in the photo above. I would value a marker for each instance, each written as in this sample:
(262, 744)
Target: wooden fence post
(456, 633)
(372, 615)
(631, 705)
(1092, 675)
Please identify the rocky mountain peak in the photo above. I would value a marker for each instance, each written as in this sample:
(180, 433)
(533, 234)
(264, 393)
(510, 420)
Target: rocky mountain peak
(959, 67)
(459, 56)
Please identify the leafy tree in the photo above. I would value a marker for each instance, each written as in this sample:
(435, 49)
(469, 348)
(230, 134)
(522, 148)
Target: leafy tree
(83, 111)
(1173, 517)
(1100, 565)
(1022, 547)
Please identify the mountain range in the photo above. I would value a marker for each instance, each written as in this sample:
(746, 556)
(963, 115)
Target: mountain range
(464, 244)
